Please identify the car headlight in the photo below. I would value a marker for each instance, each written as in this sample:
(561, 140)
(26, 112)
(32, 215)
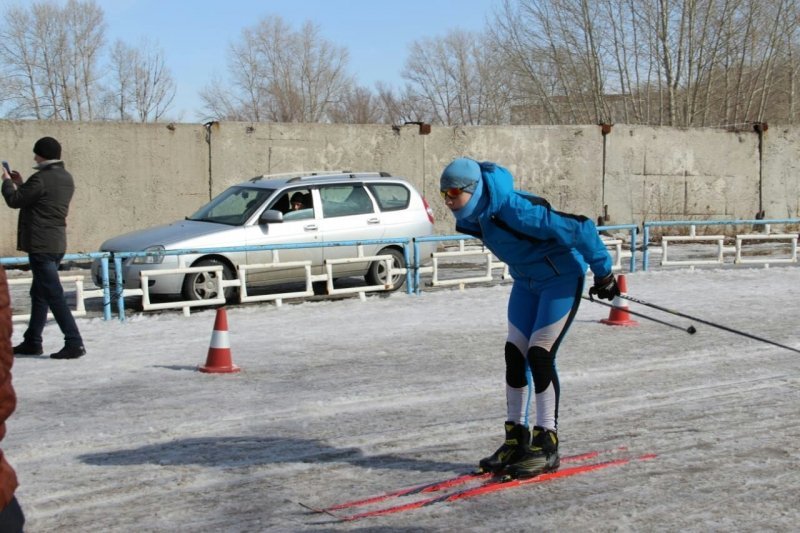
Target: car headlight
(151, 259)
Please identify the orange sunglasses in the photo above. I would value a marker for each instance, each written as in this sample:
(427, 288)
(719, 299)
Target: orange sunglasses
(452, 192)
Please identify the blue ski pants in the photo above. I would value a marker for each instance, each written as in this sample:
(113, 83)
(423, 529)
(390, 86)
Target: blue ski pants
(539, 316)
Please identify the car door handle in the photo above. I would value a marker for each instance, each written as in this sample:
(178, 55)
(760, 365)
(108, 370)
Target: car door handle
(373, 221)
(310, 227)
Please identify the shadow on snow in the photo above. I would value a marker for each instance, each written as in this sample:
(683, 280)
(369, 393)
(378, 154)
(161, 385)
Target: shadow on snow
(241, 452)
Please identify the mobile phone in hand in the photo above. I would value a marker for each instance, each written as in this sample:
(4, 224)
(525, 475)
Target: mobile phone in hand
(8, 168)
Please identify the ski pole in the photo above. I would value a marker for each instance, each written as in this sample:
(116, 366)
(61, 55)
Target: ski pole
(690, 330)
(707, 323)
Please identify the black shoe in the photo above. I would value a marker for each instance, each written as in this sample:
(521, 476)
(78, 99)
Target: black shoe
(69, 352)
(517, 441)
(25, 348)
(541, 456)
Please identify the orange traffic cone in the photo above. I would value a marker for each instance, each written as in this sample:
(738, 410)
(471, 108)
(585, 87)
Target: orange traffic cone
(219, 351)
(619, 315)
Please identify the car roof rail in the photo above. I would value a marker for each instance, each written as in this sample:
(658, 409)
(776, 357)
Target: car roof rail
(353, 175)
(297, 175)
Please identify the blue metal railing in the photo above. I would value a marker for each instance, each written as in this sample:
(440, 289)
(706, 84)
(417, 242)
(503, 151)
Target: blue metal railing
(634, 231)
(91, 256)
(632, 228)
(409, 246)
(413, 283)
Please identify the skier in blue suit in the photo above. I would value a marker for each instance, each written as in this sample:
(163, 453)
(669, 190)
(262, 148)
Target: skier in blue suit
(547, 253)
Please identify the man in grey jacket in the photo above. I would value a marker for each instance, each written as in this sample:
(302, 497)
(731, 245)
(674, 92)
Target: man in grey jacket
(43, 203)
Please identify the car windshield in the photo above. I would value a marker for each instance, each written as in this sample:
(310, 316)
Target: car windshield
(234, 206)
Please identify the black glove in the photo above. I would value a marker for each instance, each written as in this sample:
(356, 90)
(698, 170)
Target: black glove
(605, 288)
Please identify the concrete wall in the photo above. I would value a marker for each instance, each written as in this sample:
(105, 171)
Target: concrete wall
(126, 176)
(131, 176)
(781, 172)
(672, 174)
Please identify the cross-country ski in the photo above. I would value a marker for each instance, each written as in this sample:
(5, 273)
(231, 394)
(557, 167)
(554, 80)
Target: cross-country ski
(494, 485)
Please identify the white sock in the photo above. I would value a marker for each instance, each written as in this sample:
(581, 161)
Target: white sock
(546, 408)
(517, 404)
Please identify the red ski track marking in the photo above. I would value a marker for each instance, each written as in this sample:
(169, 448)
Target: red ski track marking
(493, 486)
(447, 483)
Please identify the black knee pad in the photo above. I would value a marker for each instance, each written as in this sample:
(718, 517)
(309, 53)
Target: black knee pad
(515, 367)
(543, 366)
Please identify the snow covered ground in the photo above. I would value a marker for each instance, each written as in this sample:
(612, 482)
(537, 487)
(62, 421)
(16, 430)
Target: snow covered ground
(344, 399)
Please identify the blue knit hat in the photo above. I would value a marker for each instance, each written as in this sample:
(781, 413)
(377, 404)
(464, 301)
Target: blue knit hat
(462, 173)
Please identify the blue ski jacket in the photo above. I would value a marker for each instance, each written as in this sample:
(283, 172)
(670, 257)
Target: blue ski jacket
(537, 242)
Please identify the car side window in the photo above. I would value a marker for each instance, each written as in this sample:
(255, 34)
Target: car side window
(345, 200)
(391, 196)
(282, 203)
(296, 204)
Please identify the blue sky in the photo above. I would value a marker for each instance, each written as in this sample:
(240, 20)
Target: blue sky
(195, 35)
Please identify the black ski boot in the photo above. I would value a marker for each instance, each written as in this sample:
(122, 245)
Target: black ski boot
(541, 456)
(517, 441)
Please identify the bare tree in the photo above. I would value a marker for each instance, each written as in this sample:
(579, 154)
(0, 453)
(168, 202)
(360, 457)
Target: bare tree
(771, 53)
(458, 79)
(401, 106)
(50, 38)
(248, 99)
(221, 103)
(51, 53)
(141, 87)
(121, 75)
(631, 75)
(18, 52)
(673, 62)
(154, 88)
(523, 34)
(85, 28)
(783, 98)
(282, 76)
(359, 105)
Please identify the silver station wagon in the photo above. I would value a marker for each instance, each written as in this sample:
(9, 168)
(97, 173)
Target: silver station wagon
(298, 208)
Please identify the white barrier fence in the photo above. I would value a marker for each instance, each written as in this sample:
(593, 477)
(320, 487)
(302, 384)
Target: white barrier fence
(474, 256)
(67, 282)
(486, 261)
(479, 257)
(760, 231)
(737, 250)
(241, 282)
(791, 238)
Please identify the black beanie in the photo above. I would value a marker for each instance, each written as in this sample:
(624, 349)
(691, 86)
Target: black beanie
(48, 148)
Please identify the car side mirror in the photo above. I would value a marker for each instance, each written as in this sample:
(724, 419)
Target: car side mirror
(270, 216)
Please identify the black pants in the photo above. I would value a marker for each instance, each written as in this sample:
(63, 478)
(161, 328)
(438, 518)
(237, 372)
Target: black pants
(11, 517)
(47, 293)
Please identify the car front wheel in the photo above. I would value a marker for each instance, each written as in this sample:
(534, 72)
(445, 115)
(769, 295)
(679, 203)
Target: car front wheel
(204, 285)
(376, 275)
